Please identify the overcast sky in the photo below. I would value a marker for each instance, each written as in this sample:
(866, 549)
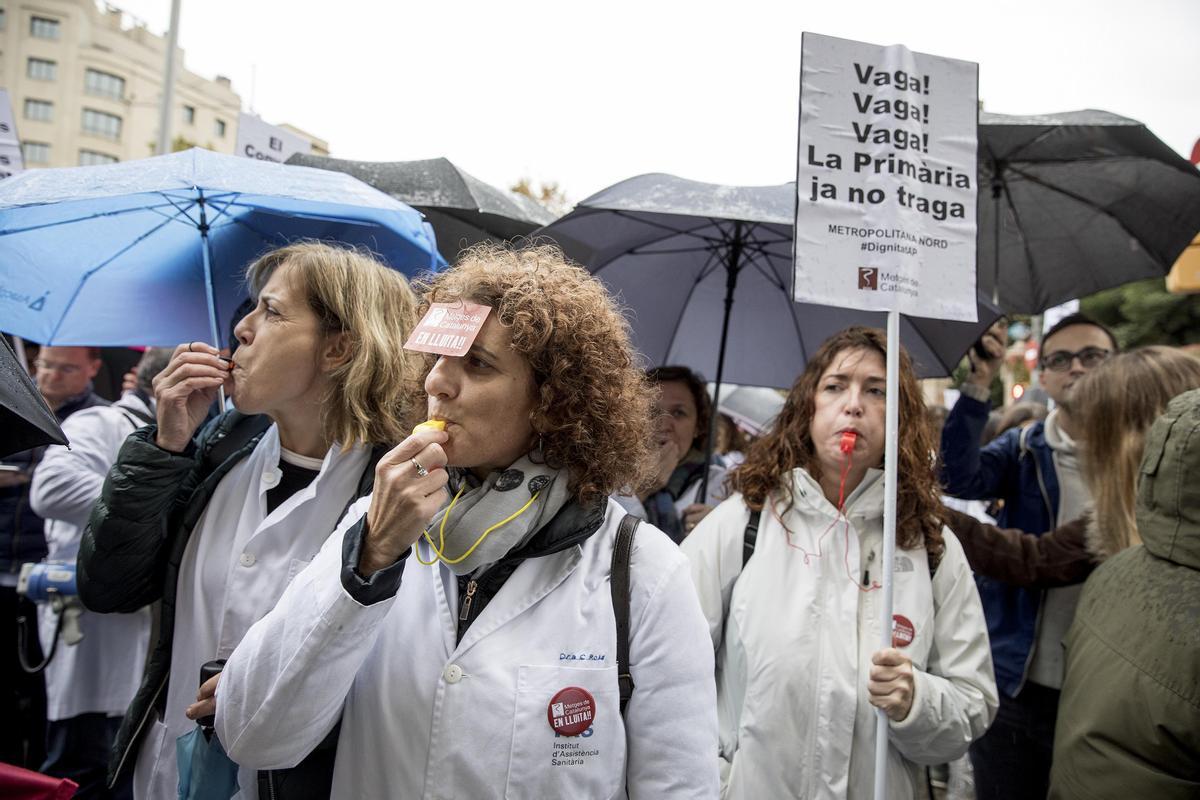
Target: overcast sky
(587, 94)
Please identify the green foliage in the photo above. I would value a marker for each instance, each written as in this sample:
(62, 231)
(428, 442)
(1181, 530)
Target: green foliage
(1146, 313)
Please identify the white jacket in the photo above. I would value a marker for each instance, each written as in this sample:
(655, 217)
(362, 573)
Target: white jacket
(102, 672)
(795, 630)
(426, 717)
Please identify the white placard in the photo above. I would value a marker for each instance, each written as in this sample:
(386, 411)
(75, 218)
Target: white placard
(11, 161)
(886, 180)
(266, 142)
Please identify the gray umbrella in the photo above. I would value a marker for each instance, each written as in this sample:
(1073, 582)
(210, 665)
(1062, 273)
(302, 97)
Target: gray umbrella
(705, 272)
(462, 209)
(1086, 200)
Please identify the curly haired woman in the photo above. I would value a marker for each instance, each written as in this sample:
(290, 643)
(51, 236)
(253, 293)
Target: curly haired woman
(796, 626)
(492, 673)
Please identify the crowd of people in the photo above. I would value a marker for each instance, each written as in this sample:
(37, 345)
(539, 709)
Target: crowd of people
(371, 570)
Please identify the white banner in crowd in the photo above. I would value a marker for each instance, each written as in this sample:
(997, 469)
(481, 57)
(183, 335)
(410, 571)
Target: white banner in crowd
(886, 181)
(11, 161)
(266, 142)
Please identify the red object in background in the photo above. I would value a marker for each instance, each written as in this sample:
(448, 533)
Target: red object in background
(1196, 152)
(1031, 354)
(23, 784)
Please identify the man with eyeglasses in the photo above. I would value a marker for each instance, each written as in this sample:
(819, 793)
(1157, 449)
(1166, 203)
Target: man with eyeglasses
(64, 377)
(1035, 472)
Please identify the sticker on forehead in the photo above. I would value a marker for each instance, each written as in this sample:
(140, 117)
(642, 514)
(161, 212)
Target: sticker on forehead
(448, 329)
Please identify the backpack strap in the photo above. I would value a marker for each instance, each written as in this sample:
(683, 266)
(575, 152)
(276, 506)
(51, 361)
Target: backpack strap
(137, 418)
(750, 537)
(238, 431)
(622, 550)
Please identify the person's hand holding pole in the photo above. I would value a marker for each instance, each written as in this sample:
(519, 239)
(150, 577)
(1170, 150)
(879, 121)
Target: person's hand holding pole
(185, 390)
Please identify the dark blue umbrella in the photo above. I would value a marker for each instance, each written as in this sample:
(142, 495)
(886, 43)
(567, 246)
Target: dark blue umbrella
(152, 252)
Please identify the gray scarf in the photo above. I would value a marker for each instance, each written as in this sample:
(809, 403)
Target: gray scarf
(527, 494)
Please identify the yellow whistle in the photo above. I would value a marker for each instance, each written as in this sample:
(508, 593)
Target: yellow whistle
(430, 425)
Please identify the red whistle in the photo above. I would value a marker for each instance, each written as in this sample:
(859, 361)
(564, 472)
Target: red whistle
(848, 440)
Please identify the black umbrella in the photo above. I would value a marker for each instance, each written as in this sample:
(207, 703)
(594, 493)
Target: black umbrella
(705, 273)
(1086, 200)
(25, 419)
(462, 209)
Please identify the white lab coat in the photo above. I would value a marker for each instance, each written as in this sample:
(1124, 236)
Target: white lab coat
(101, 673)
(426, 717)
(794, 635)
(237, 563)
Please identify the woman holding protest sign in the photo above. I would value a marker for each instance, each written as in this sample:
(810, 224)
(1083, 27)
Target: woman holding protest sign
(214, 524)
(478, 623)
(790, 564)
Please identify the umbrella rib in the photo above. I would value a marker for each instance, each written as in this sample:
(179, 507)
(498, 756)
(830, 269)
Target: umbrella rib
(1089, 204)
(88, 274)
(182, 210)
(1033, 275)
(704, 272)
(97, 215)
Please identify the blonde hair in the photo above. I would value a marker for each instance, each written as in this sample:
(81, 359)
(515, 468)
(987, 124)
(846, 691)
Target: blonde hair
(1114, 406)
(373, 396)
(593, 412)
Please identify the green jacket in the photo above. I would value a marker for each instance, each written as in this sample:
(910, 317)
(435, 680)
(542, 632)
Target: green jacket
(1129, 716)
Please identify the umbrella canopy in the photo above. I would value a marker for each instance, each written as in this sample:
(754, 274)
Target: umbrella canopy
(1073, 203)
(687, 259)
(462, 209)
(25, 419)
(152, 252)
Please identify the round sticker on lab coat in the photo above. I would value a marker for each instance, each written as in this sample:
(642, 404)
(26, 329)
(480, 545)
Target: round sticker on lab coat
(903, 631)
(571, 711)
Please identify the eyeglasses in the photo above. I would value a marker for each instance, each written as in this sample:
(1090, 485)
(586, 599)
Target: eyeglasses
(51, 366)
(1060, 360)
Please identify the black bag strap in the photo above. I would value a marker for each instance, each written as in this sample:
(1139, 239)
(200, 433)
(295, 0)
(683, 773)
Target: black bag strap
(750, 537)
(622, 550)
(240, 430)
(137, 418)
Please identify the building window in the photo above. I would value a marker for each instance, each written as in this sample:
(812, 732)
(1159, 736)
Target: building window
(99, 123)
(103, 84)
(43, 28)
(90, 158)
(40, 110)
(42, 70)
(189, 115)
(35, 152)
(219, 127)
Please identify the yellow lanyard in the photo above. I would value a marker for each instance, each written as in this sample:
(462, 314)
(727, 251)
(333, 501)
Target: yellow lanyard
(439, 550)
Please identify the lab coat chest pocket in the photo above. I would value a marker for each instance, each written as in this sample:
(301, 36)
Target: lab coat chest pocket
(545, 763)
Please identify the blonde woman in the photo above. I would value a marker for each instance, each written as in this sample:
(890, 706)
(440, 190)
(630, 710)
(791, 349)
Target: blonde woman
(215, 525)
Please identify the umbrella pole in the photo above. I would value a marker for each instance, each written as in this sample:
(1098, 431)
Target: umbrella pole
(890, 469)
(731, 276)
(205, 255)
(997, 190)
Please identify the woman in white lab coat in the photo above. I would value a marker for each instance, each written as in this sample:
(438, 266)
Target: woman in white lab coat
(795, 624)
(214, 525)
(467, 638)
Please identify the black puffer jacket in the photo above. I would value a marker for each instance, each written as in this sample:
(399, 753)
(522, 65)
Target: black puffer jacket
(134, 542)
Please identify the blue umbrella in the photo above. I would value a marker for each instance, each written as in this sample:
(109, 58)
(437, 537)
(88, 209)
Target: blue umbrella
(152, 252)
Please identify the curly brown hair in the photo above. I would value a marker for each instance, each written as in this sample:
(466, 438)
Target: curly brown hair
(788, 445)
(594, 403)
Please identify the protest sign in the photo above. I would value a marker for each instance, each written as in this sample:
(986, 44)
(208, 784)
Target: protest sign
(11, 161)
(258, 139)
(886, 180)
